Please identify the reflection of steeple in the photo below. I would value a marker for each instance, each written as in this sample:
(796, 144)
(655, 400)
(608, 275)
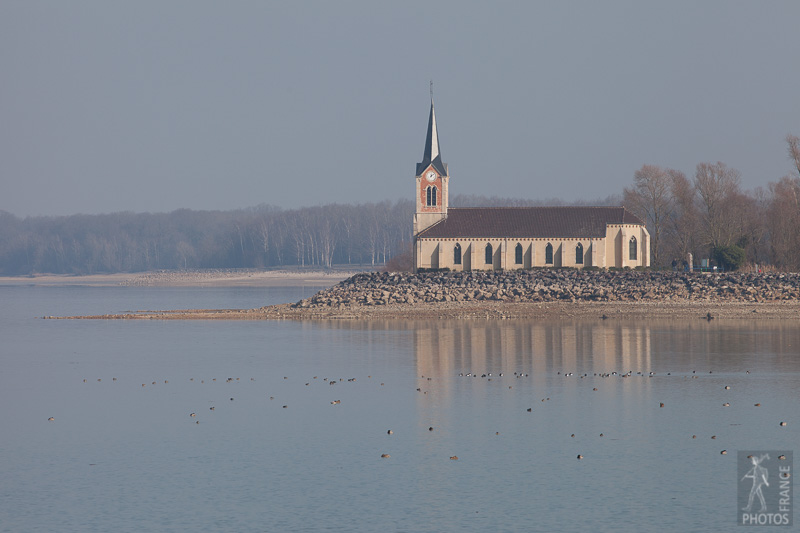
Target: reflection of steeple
(432, 155)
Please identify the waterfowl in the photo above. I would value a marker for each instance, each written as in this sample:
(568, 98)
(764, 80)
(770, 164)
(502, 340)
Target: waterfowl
(385, 455)
(51, 419)
(580, 456)
(454, 458)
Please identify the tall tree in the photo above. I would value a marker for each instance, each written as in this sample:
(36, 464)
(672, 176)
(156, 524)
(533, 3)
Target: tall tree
(784, 222)
(650, 198)
(793, 143)
(718, 191)
(683, 219)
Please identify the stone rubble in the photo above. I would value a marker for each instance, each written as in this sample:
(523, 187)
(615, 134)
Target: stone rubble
(553, 285)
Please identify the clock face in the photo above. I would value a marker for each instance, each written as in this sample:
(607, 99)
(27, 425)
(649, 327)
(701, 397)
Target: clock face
(431, 176)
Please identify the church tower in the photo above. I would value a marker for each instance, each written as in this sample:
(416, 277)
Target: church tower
(431, 181)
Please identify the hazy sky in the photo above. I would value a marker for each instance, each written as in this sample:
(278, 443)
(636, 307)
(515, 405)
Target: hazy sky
(157, 105)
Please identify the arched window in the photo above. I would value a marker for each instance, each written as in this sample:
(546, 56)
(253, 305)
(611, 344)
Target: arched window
(430, 195)
(489, 254)
(579, 254)
(518, 254)
(457, 254)
(633, 249)
(548, 254)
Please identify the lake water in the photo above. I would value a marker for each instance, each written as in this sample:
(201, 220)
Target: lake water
(274, 454)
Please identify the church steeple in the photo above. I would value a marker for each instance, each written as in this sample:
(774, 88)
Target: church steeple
(432, 181)
(432, 156)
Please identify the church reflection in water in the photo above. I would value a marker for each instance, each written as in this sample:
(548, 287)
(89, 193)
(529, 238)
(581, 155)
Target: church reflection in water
(451, 347)
(539, 347)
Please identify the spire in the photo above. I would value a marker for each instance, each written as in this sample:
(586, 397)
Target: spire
(432, 155)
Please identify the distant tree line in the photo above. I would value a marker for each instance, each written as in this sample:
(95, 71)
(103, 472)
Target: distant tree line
(259, 237)
(711, 216)
(708, 215)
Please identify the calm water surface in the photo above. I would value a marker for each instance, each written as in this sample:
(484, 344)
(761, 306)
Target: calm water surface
(275, 454)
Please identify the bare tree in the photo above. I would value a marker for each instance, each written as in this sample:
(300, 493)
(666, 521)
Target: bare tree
(756, 226)
(683, 220)
(718, 190)
(185, 252)
(783, 220)
(263, 231)
(793, 143)
(651, 199)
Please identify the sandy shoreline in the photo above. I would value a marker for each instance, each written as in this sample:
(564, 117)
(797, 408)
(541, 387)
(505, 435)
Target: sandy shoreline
(190, 278)
(627, 311)
(675, 308)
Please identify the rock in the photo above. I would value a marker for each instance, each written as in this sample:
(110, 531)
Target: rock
(545, 285)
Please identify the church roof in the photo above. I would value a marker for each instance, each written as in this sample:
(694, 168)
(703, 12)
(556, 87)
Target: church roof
(432, 155)
(529, 222)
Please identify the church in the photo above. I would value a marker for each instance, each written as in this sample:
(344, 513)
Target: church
(508, 238)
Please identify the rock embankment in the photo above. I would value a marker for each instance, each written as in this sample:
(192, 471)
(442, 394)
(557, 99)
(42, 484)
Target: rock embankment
(549, 285)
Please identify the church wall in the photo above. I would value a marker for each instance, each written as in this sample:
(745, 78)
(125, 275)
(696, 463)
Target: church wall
(435, 253)
(599, 253)
(618, 237)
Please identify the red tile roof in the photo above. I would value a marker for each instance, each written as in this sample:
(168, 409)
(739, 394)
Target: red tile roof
(529, 222)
